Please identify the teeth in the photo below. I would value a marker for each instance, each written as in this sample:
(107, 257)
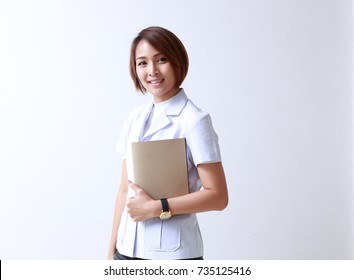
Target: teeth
(155, 82)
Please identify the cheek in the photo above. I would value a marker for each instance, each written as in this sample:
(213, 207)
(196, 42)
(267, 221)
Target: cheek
(140, 74)
(169, 72)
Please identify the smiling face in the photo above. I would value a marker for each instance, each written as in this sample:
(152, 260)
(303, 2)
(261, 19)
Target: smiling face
(155, 72)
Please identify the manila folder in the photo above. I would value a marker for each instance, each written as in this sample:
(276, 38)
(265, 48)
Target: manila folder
(160, 167)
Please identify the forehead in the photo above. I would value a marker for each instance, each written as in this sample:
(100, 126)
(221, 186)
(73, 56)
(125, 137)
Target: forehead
(145, 49)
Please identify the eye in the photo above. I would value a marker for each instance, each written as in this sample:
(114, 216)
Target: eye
(162, 60)
(141, 63)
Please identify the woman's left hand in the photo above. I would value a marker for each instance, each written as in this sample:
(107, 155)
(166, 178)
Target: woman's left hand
(142, 206)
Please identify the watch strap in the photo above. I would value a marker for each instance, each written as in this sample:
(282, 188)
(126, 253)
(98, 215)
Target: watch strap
(164, 203)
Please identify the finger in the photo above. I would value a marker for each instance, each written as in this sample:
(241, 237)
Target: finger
(134, 187)
(130, 203)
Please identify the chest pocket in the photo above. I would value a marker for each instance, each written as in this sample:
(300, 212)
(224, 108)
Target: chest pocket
(164, 236)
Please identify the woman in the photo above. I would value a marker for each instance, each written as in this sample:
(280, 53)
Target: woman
(158, 65)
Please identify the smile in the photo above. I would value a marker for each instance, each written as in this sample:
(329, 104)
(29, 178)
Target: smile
(155, 82)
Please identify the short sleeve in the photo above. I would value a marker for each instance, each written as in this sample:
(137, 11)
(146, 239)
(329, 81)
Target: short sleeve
(202, 141)
(121, 146)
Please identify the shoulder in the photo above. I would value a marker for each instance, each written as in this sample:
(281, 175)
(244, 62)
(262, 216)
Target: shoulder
(198, 121)
(139, 111)
(194, 113)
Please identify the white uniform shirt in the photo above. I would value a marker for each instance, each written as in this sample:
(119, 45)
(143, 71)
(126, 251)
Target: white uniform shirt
(178, 237)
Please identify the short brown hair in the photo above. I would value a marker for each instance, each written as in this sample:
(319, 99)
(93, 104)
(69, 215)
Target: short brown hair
(169, 45)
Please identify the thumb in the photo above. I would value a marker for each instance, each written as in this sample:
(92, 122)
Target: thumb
(134, 187)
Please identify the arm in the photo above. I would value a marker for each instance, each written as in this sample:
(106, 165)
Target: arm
(214, 196)
(119, 207)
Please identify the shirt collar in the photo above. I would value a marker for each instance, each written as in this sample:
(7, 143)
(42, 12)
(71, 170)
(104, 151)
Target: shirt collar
(177, 103)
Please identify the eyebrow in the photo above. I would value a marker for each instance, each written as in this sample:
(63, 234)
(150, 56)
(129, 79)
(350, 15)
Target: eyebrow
(144, 57)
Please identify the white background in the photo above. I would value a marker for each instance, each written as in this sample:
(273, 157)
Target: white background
(275, 75)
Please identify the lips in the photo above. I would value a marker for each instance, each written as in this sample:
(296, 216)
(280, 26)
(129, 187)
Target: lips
(156, 82)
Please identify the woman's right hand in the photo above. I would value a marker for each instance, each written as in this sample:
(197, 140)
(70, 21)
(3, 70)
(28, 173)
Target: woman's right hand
(110, 256)
(111, 251)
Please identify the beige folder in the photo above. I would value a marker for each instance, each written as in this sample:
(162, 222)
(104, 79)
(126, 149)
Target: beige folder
(160, 167)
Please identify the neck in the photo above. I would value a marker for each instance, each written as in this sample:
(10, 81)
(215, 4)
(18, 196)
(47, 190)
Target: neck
(167, 96)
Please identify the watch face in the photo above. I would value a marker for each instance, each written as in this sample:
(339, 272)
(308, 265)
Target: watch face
(165, 215)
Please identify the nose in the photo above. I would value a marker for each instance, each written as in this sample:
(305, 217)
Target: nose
(153, 71)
